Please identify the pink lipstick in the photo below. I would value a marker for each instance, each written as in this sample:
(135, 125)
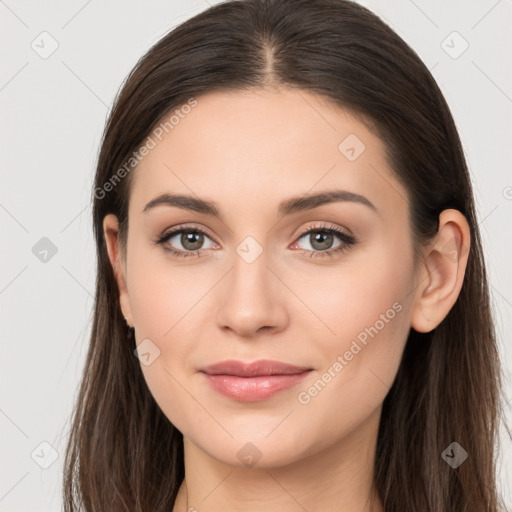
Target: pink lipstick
(255, 381)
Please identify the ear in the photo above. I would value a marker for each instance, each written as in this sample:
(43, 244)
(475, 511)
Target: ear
(441, 272)
(111, 234)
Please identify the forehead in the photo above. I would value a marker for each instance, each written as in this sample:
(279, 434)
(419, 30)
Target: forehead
(257, 146)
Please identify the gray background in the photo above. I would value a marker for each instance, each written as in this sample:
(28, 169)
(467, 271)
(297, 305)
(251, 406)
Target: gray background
(53, 113)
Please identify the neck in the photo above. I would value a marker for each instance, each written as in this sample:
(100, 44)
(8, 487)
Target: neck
(338, 477)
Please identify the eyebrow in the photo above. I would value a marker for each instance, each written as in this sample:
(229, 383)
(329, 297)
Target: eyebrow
(287, 207)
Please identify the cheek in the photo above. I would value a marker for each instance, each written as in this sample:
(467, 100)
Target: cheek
(166, 302)
(368, 317)
(351, 296)
(162, 293)
(362, 310)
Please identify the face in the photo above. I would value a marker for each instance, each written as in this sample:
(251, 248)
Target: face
(323, 284)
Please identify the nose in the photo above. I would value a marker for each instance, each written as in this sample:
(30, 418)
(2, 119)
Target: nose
(252, 299)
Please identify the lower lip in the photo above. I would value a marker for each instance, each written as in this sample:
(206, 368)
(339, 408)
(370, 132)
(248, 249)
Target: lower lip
(253, 389)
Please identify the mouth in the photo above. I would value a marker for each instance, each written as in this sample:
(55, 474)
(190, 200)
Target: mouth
(263, 367)
(254, 381)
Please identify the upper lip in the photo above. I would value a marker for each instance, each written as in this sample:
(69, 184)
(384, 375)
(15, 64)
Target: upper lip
(254, 369)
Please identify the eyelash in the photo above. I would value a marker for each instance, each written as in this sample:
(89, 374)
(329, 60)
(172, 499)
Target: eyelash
(346, 239)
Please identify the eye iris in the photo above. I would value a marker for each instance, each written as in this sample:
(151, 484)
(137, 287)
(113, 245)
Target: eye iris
(193, 237)
(322, 237)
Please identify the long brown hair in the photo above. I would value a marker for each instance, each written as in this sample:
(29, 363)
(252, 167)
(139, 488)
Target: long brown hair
(123, 453)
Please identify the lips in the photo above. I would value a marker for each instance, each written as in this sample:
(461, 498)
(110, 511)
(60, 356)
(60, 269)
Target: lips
(255, 369)
(255, 381)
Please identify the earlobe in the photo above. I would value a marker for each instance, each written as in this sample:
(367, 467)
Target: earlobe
(441, 272)
(111, 235)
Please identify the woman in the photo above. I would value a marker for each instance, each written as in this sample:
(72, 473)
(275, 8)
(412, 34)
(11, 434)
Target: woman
(292, 309)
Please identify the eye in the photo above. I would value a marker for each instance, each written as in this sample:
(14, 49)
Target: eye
(190, 238)
(321, 239)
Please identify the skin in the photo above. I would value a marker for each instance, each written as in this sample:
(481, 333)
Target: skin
(247, 151)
